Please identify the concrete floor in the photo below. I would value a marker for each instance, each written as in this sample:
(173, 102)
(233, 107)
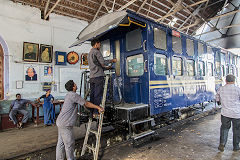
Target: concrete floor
(15, 142)
(196, 140)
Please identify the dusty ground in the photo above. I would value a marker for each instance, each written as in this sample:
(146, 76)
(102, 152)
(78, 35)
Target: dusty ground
(16, 142)
(197, 140)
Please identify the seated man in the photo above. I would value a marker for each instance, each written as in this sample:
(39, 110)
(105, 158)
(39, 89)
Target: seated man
(17, 106)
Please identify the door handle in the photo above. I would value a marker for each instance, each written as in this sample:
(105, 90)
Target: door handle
(144, 46)
(145, 66)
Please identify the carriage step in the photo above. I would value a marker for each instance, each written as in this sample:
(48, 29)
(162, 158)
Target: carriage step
(142, 121)
(143, 134)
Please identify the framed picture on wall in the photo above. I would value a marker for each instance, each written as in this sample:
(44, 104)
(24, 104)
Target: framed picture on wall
(31, 73)
(46, 53)
(61, 58)
(30, 51)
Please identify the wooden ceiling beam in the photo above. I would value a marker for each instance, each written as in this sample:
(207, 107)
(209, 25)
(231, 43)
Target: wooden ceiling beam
(223, 15)
(126, 5)
(197, 3)
(103, 1)
(55, 11)
(226, 27)
(46, 8)
(144, 2)
(50, 11)
(176, 8)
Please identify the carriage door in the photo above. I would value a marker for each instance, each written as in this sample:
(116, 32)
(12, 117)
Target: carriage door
(136, 66)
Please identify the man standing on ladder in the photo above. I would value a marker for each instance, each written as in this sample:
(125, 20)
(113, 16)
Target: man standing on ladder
(97, 64)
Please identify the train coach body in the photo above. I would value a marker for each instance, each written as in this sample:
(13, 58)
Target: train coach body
(160, 66)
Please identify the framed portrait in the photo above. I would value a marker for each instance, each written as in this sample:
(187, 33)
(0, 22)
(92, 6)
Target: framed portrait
(46, 53)
(31, 73)
(61, 58)
(48, 70)
(30, 51)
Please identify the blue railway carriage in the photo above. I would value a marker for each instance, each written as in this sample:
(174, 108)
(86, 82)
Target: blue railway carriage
(157, 66)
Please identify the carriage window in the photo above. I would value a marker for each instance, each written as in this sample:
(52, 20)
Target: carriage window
(228, 70)
(232, 71)
(210, 69)
(201, 68)
(223, 57)
(177, 66)
(190, 47)
(200, 49)
(228, 58)
(117, 52)
(234, 60)
(133, 40)
(218, 68)
(176, 44)
(160, 39)
(135, 65)
(209, 50)
(105, 48)
(190, 68)
(223, 71)
(160, 64)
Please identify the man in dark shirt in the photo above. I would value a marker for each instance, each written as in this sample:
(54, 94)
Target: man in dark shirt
(17, 106)
(97, 64)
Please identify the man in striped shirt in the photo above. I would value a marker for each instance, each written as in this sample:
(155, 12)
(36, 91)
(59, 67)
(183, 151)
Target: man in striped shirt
(229, 97)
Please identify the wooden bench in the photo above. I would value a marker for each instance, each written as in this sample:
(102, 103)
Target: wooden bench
(36, 119)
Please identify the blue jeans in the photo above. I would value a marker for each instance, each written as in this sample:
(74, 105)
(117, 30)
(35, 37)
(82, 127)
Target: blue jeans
(226, 125)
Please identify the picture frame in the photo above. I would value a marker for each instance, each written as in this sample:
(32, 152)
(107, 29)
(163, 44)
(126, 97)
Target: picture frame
(19, 84)
(46, 53)
(30, 51)
(61, 58)
(48, 71)
(31, 73)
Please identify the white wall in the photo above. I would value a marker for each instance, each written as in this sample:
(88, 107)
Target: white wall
(20, 23)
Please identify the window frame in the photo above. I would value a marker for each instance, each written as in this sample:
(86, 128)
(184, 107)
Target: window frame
(201, 47)
(187, 44)
(175, 57)
(140, 54)
(204, 68)
(194, 68)
(154, 64)
(211, 69)
(180, 38)
(141, 41)
(155, 40)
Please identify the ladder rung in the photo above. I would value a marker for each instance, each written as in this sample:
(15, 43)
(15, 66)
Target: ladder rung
(92, 131)
(90, 147)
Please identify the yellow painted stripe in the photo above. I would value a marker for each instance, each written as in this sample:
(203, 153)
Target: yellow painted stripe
(180, 81)
(168, 86)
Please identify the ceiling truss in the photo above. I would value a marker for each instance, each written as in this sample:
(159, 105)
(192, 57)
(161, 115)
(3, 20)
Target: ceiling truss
(186, 15)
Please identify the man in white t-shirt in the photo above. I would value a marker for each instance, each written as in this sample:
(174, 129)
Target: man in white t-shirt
(229, 97)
